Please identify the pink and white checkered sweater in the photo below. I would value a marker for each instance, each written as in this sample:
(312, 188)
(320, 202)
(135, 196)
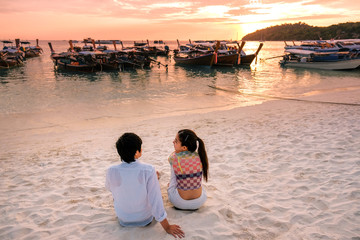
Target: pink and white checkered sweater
(188, 169)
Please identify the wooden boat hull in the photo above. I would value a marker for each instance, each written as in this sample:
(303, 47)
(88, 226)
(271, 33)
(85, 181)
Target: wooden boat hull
(226, 60)
(162, 53)
(335, 65)
(32, 53)
(205, 60)
(9, 63)
(247, 59)
(70, 67)
(108, 66)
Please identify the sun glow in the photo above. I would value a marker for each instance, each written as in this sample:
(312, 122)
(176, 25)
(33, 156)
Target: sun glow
(247, 28)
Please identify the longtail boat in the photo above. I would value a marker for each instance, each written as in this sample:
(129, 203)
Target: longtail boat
(10, 56)
(344, 60)
(196, 57)
(86, 59)
(8, 61)
(228, 58)
(31, 51)
(73, 61)
(226, 54)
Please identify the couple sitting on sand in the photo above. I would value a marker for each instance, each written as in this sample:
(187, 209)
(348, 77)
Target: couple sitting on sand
(136, 189)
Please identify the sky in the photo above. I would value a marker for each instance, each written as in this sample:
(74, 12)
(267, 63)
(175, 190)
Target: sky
(163, 19)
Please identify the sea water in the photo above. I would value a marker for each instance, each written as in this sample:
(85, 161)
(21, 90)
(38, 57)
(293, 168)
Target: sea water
(37, 96)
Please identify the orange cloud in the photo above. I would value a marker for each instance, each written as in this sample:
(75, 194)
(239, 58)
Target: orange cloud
(164, 19)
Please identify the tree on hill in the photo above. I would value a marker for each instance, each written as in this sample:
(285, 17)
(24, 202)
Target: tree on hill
(302, 31)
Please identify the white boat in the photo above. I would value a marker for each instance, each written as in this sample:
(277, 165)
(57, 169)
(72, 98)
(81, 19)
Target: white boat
(345, 62)
(339, 65)
(313, 45)
(107, 41)
(349, 45)
(299, 52)
(320, 55)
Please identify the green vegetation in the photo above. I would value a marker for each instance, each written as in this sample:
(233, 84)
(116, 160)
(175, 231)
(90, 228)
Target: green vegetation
(302, 31)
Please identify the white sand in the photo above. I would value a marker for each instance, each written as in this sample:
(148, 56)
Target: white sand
(280, 170)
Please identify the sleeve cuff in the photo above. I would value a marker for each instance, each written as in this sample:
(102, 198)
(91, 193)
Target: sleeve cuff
(161, 218)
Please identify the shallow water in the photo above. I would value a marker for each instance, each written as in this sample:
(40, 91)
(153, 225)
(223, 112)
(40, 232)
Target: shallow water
(46, 97)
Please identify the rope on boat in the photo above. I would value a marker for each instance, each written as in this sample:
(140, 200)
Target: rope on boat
(284, 98)
(132, 63)
(159, 63)
(264, 59)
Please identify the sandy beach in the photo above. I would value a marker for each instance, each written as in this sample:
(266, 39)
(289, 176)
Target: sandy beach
(279, 170)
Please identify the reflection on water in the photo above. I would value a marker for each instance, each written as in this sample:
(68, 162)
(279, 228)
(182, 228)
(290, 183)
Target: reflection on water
(61, 75)
(37, 87)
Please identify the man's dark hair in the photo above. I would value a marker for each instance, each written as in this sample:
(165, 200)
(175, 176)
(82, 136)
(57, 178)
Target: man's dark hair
(127, 145)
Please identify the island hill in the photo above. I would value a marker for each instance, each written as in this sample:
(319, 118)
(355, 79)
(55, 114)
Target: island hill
(302, 31)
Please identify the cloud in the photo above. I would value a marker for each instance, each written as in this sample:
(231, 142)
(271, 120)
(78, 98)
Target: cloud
(84, 15)
(167, 11)
(289, 11)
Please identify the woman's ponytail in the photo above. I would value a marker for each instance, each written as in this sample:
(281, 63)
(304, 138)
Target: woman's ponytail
(203, 158)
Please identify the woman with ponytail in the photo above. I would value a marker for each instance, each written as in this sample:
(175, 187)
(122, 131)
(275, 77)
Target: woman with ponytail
(188, 167)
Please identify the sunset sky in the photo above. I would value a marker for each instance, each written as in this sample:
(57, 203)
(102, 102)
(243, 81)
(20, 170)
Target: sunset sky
(163, 19)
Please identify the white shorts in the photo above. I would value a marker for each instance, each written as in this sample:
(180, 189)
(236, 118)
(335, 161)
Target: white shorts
(178, 201)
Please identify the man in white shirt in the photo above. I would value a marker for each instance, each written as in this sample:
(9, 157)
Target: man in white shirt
(136, 189)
